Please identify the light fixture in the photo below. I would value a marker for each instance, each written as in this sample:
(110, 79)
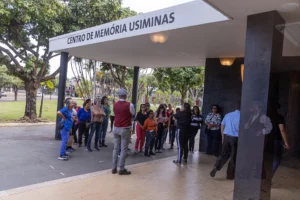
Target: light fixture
(160, 37)
(227, 61)
(242, 72)
(288, 7)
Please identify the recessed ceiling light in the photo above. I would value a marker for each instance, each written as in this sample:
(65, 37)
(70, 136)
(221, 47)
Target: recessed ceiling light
(288, 7)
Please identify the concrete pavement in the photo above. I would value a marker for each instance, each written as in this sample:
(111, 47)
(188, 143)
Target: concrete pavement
(29, 156)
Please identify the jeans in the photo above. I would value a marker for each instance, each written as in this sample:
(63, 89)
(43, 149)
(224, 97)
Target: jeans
(277, 155)
(159, 139)
(103, 129)
(164, 137)
(194, 131)
(96, 127)
(140, 138)
(64, 140)
(149, 143)
(112, 119)
(214, 140)
(121, 142)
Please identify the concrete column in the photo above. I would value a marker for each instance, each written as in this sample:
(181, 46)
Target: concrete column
(135, 86)
(254, 158)
(61, 87)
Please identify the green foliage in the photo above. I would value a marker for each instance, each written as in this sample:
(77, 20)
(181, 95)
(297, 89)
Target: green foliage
(7, 80)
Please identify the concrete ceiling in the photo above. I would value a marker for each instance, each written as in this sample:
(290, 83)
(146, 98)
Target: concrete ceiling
(191, 46)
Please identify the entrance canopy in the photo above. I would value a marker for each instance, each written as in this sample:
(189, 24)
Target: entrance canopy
(189, 33)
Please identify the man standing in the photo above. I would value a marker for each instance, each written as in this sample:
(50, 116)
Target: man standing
(230, 132)
(124, 112)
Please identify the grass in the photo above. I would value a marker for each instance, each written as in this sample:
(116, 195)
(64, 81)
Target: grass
(12, 111)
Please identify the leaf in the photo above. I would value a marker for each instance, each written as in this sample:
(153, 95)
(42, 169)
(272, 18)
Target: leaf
(50, 84)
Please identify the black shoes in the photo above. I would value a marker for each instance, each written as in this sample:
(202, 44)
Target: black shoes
(114, 171)
(213, 172)
(89, 149)
(152, 154)
(96, 149)
(147, 155)
(176, 162)
(124, 172)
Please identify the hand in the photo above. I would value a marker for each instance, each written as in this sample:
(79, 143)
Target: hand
(286, 146)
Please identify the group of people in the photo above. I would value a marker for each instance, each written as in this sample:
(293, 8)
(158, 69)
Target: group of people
(153, 129)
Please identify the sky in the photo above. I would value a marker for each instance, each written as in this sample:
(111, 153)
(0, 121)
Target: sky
(139, 6)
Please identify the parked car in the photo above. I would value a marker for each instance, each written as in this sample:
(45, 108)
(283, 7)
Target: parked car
(39, 94)
(2, 94)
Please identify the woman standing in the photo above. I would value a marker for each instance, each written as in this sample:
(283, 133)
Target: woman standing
(67, 122)
(140, 132)
(183, 132)
(214, 137)
(84, 120)
(161, 116)
(112, 116)
(195, 126)
(106, 108)
(150, 126)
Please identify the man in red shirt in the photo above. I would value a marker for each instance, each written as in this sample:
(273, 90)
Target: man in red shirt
(124, 112)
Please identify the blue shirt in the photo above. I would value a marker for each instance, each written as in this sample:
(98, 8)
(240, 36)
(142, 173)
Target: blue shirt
(68, 122)
(231, 122)
(83, 115)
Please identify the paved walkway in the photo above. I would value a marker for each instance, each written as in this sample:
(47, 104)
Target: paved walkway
(29, 156)
(160, 179)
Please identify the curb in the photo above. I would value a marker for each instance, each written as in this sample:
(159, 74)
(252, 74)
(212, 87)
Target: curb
(26, 124)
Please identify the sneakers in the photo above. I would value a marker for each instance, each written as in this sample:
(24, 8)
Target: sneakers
(89, 149)
(64, 158)
(159, 151)
(96, 149)
(124, 172)
(176, 162)
(213, 172)
(114, 171)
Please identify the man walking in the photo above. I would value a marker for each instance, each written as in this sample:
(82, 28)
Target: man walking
(124, 112)
(230, 131)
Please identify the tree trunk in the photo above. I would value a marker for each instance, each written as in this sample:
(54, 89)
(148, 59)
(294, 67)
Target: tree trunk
(16, 93)
(30, 107)
(42, 103)
(183, 96)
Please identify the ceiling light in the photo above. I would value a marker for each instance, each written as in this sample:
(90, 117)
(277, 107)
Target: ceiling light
(161, 37)
(227, 61)
(288, 7)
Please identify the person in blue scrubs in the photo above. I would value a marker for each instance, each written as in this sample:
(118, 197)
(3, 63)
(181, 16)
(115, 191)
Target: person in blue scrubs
(67, 122)
(230, 132)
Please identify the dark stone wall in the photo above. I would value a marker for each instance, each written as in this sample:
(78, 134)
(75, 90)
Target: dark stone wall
(223, 86)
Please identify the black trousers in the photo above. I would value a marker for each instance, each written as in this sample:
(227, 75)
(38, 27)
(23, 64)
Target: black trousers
(214, 140)
(83, 130)
(159, 137)
(229, 150)
(112, 119)
(194, 131)
(182, 135)
(172, 134)
(74, 131)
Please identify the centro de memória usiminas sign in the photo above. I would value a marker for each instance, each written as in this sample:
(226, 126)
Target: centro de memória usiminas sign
(122, 28)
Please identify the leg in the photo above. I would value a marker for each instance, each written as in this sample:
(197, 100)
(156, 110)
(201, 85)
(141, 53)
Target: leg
(112, 119)
(98, 129)
(148, 142)
(74, 130)
(93, 129)
(86, 135)
(81, 128)
(194, 131)
(209, 143)
(117, 146)
(138, 136)
(173, 135)
(152, 141)
(125, 140)
(170, 134)
(159, 137)
(217, 142)
(277, 155)
(179, 153)
(104, 127)
(185, 141)
(164, 137)
(64, 140)
(70, 140)
(231, 165)
(142, 142)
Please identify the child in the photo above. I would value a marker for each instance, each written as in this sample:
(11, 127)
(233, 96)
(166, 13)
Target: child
(150, 126)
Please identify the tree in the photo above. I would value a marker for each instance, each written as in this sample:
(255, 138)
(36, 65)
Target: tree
(27, 25)
(119, 73)
(8, 80)
(180, 79)
(151, 85)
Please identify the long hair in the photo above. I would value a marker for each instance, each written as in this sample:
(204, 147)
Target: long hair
(217, 106)
(198, 111)
(141, 108)
(102, 100)
(86, 102)
(158, 110)
(187, 108)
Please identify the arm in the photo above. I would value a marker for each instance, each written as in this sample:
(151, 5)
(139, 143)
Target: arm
(132, 110)
(267, 123)
(284, 135)
(145, 124)
(61, 115)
